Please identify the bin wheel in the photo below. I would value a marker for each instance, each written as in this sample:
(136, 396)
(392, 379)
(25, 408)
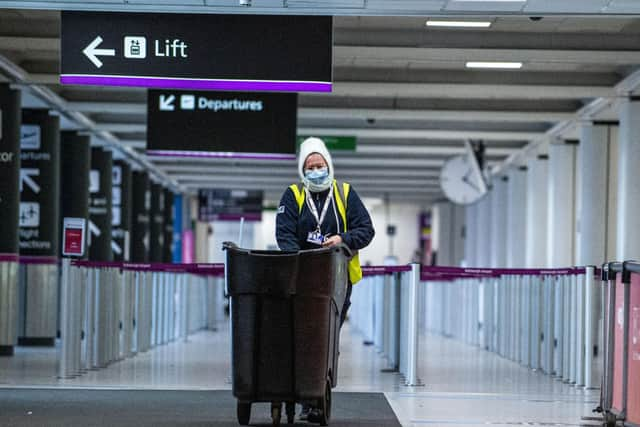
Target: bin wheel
(291, 412)
(325, 406)
(244, 413)
(276, 412)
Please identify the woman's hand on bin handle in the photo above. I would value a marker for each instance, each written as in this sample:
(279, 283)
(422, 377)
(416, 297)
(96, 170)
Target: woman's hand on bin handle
(337, 242)
(332, 241)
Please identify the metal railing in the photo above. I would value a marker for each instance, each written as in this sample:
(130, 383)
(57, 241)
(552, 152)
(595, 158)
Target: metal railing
(385, 309)
(544, 319)
(112, 311)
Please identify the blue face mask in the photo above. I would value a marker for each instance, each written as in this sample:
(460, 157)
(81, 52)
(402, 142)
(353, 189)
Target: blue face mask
(317, 176)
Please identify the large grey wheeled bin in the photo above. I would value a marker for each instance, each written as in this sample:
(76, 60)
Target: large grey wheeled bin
(285, 327)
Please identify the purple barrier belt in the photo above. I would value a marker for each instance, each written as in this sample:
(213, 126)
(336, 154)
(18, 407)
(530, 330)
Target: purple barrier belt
(448, 273)
(380, 270)
(207, 269)
(96, 264)
(42, 260)
(9, 257)
(201, 269)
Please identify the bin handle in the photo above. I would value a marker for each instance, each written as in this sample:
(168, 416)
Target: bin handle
(341, 247)
(346, 249)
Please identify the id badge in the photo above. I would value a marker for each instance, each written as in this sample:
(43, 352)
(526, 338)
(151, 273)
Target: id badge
(315, 237)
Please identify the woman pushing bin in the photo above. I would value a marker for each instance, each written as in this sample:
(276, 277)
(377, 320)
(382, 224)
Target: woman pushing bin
(287, 306)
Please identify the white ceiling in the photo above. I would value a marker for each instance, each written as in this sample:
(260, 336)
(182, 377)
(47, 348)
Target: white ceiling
(400, 87)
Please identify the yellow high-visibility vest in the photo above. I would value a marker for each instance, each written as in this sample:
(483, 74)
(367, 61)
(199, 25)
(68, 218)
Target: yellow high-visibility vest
(355, 272)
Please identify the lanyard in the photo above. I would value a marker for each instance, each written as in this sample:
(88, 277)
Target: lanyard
(314, 210)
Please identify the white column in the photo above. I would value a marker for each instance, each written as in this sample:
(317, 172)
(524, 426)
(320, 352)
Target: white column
(498, 220)
(483, 232)
(593, 152)
(536, 241)
(561, 228)
(628, 232)
(516, 217)
(443, 234)
(471, 213)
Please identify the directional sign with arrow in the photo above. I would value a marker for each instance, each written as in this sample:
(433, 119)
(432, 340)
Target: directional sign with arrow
(92, 52)
(25, 178)
(166, 50)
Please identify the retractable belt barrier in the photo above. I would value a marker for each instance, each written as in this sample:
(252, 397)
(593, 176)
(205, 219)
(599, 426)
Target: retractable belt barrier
(620, 397)
(8, 299)
(112, 310)
(545, 319)
(385, 309)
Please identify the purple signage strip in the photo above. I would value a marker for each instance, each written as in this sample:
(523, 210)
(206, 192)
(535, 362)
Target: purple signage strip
(199, 84)
(205, 154)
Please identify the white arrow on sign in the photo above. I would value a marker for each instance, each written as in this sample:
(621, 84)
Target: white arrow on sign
(166, 103)
(25, 177)
(93, 229)
(145, 241)
(116, 248)
(92, 52)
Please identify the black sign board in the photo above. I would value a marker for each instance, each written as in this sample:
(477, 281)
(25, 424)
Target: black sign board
(156, 227)
(192, 123)
(229, 205)
(100, 206)
(75, 163)
(121, 210)
(40, 183)
(140, 205)
(197, 51)
(10, 119)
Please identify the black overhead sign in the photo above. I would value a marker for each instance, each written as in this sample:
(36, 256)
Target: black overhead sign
(39, 183)
(229, 205)
(198, 51)
(193, 123)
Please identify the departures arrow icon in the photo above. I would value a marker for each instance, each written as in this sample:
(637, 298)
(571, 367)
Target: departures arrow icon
(25, 178)
(166, 102)
(92, 52)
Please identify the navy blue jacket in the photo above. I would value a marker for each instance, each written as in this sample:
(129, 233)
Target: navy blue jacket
(292, 229)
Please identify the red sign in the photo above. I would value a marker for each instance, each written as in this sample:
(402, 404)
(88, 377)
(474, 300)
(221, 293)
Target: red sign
(73, 241)
(73, 236)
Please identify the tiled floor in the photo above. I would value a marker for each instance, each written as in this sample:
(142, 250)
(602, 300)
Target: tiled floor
(464, 386)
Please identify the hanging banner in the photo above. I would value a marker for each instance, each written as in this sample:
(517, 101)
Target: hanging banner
(121, 211)
(140, 206)
(156, 228)
(40, 183)
(222, 124)
(100, 188)
(197, 51)
(75, 163)
(169, 217)
(10, 119)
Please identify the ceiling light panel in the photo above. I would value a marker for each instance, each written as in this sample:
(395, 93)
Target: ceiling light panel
(458, 24)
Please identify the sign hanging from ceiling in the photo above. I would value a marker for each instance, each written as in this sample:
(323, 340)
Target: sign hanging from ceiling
(197, 51)
(222, 124)
(229, 205)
